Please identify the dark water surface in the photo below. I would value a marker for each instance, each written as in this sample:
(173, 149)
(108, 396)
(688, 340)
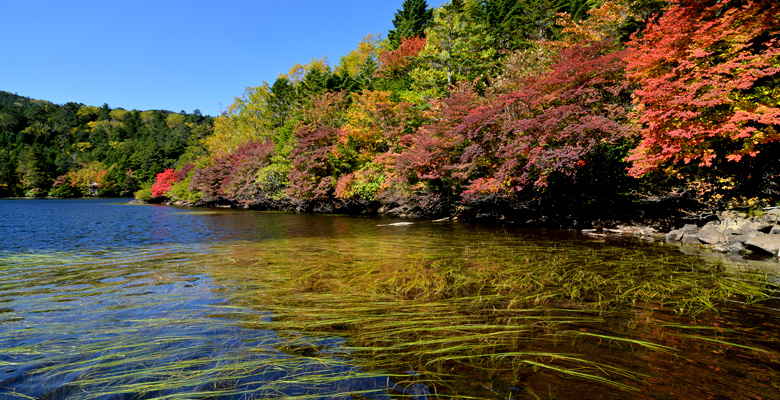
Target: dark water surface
(102, 299)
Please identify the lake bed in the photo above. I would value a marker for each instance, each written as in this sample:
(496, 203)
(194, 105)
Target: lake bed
(101, 299)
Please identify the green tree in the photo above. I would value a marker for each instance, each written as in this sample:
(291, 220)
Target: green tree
(8, 180)
(457, 48)
(411, 20)
(35, 172)
(245, 121)
(354, 62)
(504, 19)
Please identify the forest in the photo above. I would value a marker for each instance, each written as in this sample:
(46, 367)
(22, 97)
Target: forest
(74, 150)
(538, 111)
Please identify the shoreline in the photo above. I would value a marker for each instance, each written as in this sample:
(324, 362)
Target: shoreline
(753, 235)
(737, 234)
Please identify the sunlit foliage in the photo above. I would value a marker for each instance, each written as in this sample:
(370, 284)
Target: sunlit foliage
(708, 83)
(164, 181)
(490, 99)
(79, 150)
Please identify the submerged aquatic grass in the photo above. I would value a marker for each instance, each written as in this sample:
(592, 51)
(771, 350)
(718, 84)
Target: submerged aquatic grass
(399, 316)
(497, 313)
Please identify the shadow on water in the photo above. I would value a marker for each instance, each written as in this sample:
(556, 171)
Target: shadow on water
(103, 300)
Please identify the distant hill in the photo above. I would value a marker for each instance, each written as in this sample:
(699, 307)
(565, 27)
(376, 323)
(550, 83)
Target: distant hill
(73, 149)
(8, 99)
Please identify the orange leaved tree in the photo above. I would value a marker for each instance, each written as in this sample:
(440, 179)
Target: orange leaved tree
(708, 74)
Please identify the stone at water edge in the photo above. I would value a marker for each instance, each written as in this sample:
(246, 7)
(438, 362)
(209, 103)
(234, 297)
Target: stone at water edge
(766, 244)
(735, 247)
(690, 238)
(736, 239)
(678, 234)
(710, 234)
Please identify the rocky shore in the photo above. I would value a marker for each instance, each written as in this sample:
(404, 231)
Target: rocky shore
(733, 232)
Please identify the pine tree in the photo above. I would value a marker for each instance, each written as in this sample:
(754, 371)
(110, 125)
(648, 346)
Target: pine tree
(504, 19)
(409, 21)
(514, 24)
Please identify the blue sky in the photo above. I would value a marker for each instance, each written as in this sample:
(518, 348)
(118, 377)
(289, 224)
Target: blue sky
(172, 54)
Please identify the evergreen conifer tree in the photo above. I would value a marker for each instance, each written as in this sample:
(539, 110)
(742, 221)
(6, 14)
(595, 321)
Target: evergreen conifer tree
(409, 21)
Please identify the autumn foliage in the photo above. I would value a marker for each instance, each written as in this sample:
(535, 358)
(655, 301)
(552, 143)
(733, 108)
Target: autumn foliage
(232, 176)
(315, 162)
(550, 125)
(163, 182)
(572, 121)
(707, 73)
(394, 61)
(545, 127)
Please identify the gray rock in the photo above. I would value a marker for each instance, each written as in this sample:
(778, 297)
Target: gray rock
(751, 232)
(689, 228)
(710, 234)
(734, 248)
(731, 214)
(761, 226)
(773, 214)
(731, 225)
(775, 230)
(678, 234)
(743, 225)
(690, 238)
(673, 235)
(769, 244)
(731, 239)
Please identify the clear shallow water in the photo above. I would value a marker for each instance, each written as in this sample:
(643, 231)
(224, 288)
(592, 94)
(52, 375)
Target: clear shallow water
(75, 224)
(101, 299)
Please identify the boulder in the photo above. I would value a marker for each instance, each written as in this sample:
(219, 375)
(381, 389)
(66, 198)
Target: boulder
(751, 232)
(773, 214)
(736, 239)
(736, 226)
(714, 223)
(761, 226)
(677, 234)
(710, 234)
(731, 226)
(690, 238)
(769, 244)
(734, 248)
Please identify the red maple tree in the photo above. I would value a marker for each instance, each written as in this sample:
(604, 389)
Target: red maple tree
(163, 182)
(708, 77)
(395, 61)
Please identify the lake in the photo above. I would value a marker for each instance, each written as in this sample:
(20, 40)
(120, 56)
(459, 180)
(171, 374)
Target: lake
(100, 299)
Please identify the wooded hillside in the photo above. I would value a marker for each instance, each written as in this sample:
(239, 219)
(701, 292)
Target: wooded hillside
(493, 108)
